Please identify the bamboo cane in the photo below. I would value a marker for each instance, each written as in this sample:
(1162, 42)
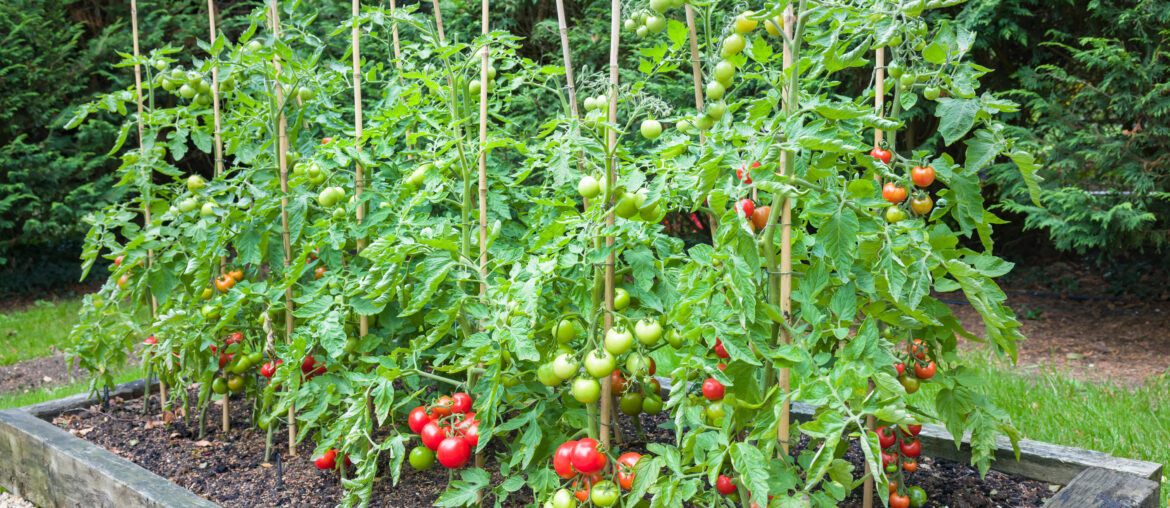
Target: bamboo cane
(439, 20)
(878, 102)
(146, 195)
(697, 73)
(281, 150)
(787, 160)
(394, 37)
(615, 27)
(226, 420)
(485, 62)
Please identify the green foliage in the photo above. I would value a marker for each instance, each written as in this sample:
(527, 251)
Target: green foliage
(1096, 112)
(440, 318)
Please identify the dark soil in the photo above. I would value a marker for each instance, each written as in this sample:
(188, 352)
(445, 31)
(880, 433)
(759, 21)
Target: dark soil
(230, 470)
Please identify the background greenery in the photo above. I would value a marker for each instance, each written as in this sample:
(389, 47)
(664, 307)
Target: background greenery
(1093, 78)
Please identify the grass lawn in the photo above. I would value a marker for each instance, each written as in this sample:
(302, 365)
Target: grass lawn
(11, 400)
(36, 331)
(1118, 420)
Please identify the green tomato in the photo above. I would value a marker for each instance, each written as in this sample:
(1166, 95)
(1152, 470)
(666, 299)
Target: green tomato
(931, 93)
(207, 210)
(621, 299)
(651, 128)
(652, 404)
(655, 23)
(704, 122)
(219, 386)
(235, 384)
(685, 126)
(715, 414)
(648, 331)
(422, 458)
(630, 403)
(732, 45)
(917, 496)
(604, 493)
(724, 72)
(564, 331)
(565, 366)
(327, 198)
(209, 311)
(547, 376)
(256, 358)
(474, 88)
(264, 422)
(187, 91)
(195, 183)
(674, 338)
(627, 206)
(895, 215)
(637, 364)
(563, 498)
(305, 93)
(715, 90)
(650, 213)
(659, 6)
(894, 70)
(241, 366)
(188, 204)
(585, 390)
(630, 25)
(716, 110)
(618, 340)
(599, 363)
(908, 79)
(588, 187)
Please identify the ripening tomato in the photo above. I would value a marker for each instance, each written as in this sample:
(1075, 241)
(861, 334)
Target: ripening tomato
(910, 466)
(744, 174)
(910, 383)
(760, 217)
(748, 207)
(724, 485)
(238, 275)
(460, 402)
(885, 437)
(586, 482)
(917, 348)
(924, 371)
(327, 461)
(882, 155)
(625, 469)
(719, 350)
(922, 176)
(118, 260)
(893, 194)
(319, 272)
(224, 283)
(922, 205)
(442, 407)
(586, 457)
(913, 430)
(235, 338)
(617, 383)
(888, 459)
(713, 389)
(900, 367)
(893, 486)
(417, 419)
(912, 449)
(899, 501)
(326, 140)
(563, 460)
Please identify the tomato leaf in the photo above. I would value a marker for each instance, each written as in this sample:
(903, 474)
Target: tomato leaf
(956, 117)
(465, 491)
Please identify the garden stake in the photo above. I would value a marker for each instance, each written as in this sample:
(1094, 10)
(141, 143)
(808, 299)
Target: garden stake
(279, 473)
(439, 20)
(282, 161)
(363, 320)
(697, 72)
(571, 85)
(615, 27)
(483, 110)
(879, 100)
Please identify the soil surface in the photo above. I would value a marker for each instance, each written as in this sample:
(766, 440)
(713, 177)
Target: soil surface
(230, 470)
(10, 501)
(32, 374)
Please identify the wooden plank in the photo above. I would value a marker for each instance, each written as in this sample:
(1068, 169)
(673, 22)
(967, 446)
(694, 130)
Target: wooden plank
(1101, 488)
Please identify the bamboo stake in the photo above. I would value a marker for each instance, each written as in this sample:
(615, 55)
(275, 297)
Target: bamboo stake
(787, 160)
(564, 28)
(226, 421)
(281, 150)
(439, 20)
(363, 321)
(615, 32)
(697, 73)
(146, 193)
(484, 80)
(394, 36)
(878, 102)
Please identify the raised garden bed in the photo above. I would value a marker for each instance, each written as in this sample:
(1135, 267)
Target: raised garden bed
(52, 467)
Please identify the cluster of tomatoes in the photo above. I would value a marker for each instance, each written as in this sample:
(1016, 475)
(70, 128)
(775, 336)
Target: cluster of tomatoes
(922, 368)
(448, 430)
(582, 462)
(235, 361)
(757, 216)
(328, 460)
(715, 392)
(901, 447)
(920, 203)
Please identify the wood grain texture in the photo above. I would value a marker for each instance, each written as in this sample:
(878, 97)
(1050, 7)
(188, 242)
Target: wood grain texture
(1101, 488)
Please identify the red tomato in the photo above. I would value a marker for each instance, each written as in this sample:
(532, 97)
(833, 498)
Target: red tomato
(760, 217)
(719, 351)
(453, 452)
(899, 501)
(224, 359)
(893, 487)
(922, 176)
(460, 402)
(912, 449)
(308, 364)
(625, 468)
(713, 389)
(471, 434)
(748, 207)
(893, 193)
(653, 367)
(721, 366)
(885, 437)
(442, 407)
(432, 435)
(238, 275)
(744, 174)
(150, 341)
(922, 205)
(918, 349)
(910, 466)
(888, 458)
(563, 460)
(327, 461)
(118, 260)
(417, 419)
(617, 383)
(587, 482)
(724, 485)
(882, 155)
(235, 338)
(224, 283)
(900, 367)
(924, 371)
(326, 140)
(913, 430)
(269, 369)
(586, 458)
